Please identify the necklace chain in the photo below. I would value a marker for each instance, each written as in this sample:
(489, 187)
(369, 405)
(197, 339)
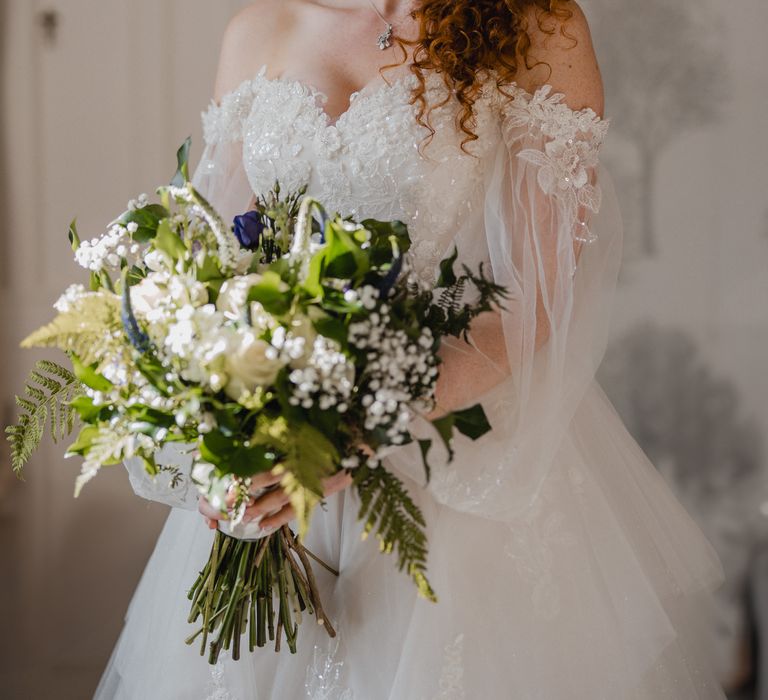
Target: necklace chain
(384, 41)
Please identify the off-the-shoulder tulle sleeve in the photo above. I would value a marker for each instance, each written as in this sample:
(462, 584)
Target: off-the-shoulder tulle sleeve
(552, 231)
(220, 175)
(221, 178)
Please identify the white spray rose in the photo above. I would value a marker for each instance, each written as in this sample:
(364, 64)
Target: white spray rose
(234, 295)
(146, 296)
(299, 339)
(251, 363)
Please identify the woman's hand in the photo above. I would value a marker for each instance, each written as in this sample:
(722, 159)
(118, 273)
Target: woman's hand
(274, 504)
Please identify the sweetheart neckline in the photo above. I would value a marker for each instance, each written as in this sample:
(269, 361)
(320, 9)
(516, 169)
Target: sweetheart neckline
(320, 98)
(544, 93)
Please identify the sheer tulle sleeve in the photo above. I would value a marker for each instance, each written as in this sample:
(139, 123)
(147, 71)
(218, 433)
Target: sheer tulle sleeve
(552, 236)
(221, 179)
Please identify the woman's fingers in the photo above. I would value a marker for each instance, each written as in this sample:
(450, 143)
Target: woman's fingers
(265, 480)
(277, 520)
(275, 504)
(337, 482)
(207, 510)
(268, 503)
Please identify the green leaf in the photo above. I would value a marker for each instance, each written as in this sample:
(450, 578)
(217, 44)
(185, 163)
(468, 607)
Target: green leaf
(168, 241)
(208, 270)
(472, 422)
(233, 457)
(83, 328)
(84, 441)
(312, 283)
(333, 328)
(344, 257)
(74, 238)
(424, 447)
(309, 458)
(181, 177)
(88, 375)
(447, 275)
(147, 219)
(387, 509)
(150, 466)
(444, 427)
(272, 293)
(85, 408)
(389, 239)
(50, 390)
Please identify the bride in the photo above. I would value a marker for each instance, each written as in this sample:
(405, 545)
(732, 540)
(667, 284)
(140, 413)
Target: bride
(564, 567)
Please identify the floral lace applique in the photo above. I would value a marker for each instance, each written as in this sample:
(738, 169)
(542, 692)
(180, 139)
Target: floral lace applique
(367, 162)
(535, 537)
(425, 257)
(323, 679)
(569, 155)
(223, 123)
(451, 681)
(217, 689)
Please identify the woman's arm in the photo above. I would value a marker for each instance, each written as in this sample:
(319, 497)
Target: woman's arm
(562, 56)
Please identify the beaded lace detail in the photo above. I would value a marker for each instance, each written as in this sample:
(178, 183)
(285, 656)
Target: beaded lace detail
(452, 675)
(368, 162)
(571, 145)
(323, 680)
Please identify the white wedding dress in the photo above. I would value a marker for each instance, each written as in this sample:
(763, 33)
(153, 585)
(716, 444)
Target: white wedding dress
(565, 568)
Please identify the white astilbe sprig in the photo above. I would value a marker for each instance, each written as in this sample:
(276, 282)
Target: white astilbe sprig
(113, 443)
(228, 248)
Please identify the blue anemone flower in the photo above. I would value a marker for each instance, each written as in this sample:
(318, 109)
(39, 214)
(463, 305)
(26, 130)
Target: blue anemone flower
(248, 229)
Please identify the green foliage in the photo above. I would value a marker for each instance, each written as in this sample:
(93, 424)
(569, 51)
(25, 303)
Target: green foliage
(471, 422)
(387, 508)
(167, 241)
(50, 390)
(83, 329)
(309, 458)
(453, 315)
(272, 293)
(232, 455)
(182, 157)
(74, 237)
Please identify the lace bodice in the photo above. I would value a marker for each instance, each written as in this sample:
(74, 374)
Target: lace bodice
(368, 163)
(519, 199)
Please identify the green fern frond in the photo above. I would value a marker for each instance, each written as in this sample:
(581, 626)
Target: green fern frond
(82, 329)
(387, 508)
(49, 391)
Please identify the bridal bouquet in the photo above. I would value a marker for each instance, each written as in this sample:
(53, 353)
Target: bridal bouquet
(293, 341)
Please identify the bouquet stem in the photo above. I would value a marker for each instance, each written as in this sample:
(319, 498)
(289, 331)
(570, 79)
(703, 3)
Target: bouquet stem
(235, 594)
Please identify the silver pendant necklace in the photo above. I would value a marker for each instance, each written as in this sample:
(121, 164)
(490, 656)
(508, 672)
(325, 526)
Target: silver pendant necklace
(385, 38)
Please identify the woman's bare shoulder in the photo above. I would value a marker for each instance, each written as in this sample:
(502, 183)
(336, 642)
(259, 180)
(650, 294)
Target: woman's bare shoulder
(562, 55)
(249, 40)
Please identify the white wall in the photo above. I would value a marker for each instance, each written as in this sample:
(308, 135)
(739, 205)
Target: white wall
(687, 82)
(92, 117)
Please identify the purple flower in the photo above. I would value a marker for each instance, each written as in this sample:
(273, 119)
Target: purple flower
(248, 229)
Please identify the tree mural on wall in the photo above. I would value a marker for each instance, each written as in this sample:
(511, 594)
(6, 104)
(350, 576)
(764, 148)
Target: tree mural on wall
(683, 415)
(689, 423)
(664, 75)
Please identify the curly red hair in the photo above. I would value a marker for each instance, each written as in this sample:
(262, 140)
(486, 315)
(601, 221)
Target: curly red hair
(461, 38)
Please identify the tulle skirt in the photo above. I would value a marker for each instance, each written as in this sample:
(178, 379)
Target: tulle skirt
(599, 590)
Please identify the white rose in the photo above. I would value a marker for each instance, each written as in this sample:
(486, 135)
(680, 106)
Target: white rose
(234, 295)
(300, 341)
(243, 262)
(146, 296)
(155, 261)
(251, 363)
